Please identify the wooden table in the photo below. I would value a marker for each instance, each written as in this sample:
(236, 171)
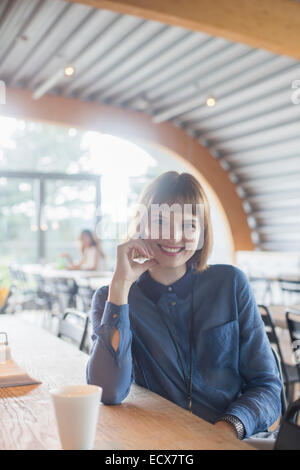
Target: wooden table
(143, 421)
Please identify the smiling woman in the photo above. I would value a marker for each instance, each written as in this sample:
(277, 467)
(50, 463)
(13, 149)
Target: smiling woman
(185, 329)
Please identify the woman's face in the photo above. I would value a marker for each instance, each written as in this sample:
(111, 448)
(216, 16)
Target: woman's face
(85, 240)
(174, 237)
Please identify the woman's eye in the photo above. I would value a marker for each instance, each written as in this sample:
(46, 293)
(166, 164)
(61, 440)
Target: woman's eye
(190, 225)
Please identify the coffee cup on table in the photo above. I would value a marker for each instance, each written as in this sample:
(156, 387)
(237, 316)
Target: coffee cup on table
(77, 409)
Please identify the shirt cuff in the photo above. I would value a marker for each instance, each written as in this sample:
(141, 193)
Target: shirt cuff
(116, 316)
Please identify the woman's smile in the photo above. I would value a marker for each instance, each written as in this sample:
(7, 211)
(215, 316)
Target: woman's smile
(170, 250)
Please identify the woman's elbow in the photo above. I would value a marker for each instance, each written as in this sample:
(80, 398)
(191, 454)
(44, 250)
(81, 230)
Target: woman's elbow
(114, 397)
(111, 401)
(91, 377)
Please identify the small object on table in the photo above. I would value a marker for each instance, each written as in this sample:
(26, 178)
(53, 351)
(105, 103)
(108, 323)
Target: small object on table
(11, 375)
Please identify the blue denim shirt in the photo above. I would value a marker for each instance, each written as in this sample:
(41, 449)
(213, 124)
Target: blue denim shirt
(234, 371)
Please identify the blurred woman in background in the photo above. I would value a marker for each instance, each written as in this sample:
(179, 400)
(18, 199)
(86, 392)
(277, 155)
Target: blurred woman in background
(92, 255)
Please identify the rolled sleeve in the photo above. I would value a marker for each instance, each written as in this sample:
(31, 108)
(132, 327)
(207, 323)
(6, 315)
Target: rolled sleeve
(111, 369)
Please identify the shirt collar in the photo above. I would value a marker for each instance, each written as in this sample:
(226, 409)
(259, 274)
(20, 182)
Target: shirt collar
(154, 290)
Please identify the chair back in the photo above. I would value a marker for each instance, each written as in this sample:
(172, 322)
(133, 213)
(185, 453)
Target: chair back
(290, 289)
(65, 290)
(84, 298)
(74, 326)
(19, 278)
(293, 323)
(282, 393)
(289, 285)
(288, 437)
(269, 325)
(274, 341)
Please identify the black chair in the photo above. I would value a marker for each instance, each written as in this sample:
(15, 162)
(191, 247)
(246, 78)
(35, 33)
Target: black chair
(23, 282)
(44, 295)
(282, 394)
(84, 298)
(289, 432)
(74, 326)
(262, 288)
(65, 291)
(293, 323)
(289, 372)
(23, 294)
(290, 290)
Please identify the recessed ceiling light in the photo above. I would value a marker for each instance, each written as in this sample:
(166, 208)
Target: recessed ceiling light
(140, 104)
(69, 71)
(210, 102)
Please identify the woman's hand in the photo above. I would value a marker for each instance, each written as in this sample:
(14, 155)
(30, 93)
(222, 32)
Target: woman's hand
(127, 271)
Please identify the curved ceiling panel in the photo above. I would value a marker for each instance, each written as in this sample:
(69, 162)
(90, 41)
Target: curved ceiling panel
(253, 129)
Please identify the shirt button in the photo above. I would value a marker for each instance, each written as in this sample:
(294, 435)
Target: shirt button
(173, 303)
(170, 288)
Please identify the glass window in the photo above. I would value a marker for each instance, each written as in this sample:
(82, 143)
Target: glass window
(69, 207)
(18, 228)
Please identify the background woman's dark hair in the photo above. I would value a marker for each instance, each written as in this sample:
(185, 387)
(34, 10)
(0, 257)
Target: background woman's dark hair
(94, 241)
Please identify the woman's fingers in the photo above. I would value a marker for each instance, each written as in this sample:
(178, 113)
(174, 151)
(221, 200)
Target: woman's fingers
(139, 245)
(147, 265)
(147, 247)
(144, 242)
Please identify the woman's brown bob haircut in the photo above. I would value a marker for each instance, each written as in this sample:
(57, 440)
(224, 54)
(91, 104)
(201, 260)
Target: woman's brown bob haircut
(172, 187)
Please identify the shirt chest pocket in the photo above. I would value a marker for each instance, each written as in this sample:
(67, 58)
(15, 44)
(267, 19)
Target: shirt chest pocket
(218, 355)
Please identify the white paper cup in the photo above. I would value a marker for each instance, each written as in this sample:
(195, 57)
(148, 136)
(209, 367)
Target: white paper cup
(77, 409)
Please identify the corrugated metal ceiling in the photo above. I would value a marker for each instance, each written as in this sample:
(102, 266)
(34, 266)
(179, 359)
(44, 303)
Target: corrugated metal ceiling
(169, 72)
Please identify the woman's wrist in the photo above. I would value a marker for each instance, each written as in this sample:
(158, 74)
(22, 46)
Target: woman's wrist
(234, 422)
(118, 291)
(227, 428)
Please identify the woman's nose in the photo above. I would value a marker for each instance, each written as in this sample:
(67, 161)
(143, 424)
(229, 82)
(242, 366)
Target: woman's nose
(175, 234)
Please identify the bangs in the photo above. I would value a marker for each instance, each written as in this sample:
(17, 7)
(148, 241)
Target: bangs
(172, 188)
